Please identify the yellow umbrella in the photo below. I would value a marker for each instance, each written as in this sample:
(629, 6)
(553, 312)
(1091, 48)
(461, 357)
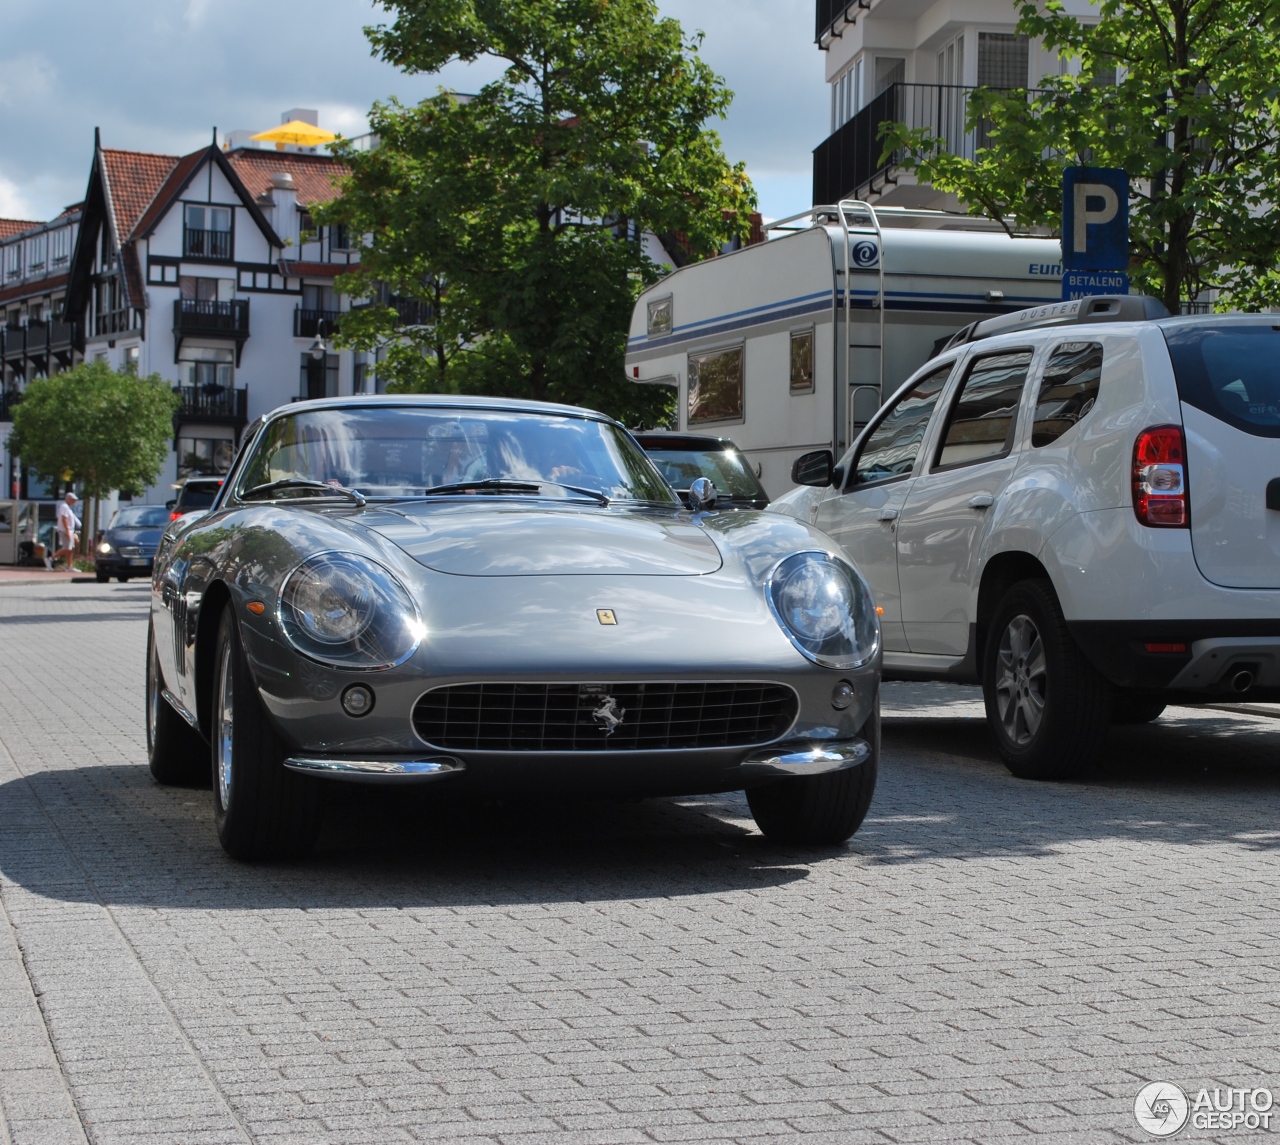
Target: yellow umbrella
(295, 131)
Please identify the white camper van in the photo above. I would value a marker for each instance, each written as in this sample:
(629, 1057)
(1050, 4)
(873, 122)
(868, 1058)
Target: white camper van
(766, 346)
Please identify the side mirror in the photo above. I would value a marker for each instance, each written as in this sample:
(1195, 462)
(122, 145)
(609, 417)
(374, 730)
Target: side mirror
(816, 468)
(702, 494)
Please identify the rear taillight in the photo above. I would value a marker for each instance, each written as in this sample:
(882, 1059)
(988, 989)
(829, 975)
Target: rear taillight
(1160, 478)
(174, 516)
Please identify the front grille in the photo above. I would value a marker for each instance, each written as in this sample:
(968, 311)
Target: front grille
(577, 717)
(137, 550)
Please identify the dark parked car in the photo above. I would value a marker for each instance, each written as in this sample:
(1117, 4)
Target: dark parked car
(195, 496)
(128, 546)
(684, 457)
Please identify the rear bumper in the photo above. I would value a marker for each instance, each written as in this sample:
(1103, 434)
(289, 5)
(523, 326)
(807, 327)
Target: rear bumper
(1216, 653)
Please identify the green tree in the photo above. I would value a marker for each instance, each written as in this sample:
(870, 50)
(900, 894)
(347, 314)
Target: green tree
(518, 214)
(91, 425)
(1184, 95)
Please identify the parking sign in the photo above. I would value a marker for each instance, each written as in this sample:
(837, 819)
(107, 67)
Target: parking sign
(1095, 219)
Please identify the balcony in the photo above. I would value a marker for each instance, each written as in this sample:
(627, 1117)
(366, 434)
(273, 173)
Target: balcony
(38, 341)
(847, 164)
(309, 323)
(836, 13)
(201, 318)
(211, 405)
(111, 322)
(8, 399)
(206, 244)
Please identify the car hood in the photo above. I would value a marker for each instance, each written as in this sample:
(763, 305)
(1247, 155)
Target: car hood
(533, 540)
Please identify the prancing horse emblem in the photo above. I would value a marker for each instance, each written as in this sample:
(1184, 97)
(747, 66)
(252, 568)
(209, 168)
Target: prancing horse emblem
(609, 716)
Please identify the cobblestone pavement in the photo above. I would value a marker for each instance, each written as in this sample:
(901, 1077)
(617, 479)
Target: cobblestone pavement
(986, 960)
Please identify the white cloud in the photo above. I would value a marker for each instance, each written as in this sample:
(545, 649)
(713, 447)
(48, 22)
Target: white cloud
(13, 203)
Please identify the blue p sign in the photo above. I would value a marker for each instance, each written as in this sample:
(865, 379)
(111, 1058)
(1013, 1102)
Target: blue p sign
(1095, 219)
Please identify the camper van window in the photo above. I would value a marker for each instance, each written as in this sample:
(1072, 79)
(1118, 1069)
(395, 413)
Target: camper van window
(715, 386)
(660, 317)
(802, 362)
(985, 410)
(1068, 390)
(892, 448)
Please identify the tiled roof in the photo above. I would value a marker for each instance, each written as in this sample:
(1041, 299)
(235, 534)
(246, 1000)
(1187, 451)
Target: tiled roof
(11, 227)
(133, 178)
(314, 176)
(31, 289)
(163, 194)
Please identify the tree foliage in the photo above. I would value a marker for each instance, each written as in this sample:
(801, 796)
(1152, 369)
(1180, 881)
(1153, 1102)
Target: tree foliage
(1184, 95)
(519, 214)
(92, 425)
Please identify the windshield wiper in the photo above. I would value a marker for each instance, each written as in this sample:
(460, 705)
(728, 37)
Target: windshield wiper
(502, 485)
(303, 483)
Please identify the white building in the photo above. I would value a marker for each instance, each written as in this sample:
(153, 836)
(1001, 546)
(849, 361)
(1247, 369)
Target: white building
(913, 62)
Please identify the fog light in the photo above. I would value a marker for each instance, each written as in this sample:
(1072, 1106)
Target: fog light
(357, 700)
(842, 695)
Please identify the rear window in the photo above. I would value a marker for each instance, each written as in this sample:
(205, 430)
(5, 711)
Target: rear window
(1230, 371)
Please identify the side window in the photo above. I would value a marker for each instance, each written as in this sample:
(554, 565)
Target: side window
(1068, 390)
(985, 410)
(892, 448)
(802, 361)
(715, 386)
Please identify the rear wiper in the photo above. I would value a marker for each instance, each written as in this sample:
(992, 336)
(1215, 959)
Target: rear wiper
(303, 483)
(502, 485)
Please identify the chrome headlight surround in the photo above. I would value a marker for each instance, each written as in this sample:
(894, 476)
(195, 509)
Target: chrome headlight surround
(347, 611)
(825, 608)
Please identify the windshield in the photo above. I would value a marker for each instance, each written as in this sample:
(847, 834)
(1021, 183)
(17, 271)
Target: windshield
(725, 468)
(141, 517)
(407, 451)
(1231, 371)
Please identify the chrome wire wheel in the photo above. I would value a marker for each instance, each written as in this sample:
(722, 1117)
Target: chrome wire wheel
(223, 730)
(1021, 679)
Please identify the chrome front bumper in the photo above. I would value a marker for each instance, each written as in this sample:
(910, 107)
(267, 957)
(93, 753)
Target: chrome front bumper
(378, 770)
(793, 760)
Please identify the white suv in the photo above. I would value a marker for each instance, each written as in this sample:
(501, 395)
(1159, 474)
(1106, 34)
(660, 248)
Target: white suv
(1077, 506)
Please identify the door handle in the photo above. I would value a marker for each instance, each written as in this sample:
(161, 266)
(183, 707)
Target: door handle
(981, 501)
(887, 515)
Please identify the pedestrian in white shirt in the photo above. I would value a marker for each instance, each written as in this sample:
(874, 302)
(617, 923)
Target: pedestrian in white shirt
(68, 526)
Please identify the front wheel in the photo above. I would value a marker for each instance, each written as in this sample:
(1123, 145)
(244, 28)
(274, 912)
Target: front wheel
(819, 810)
(176, 754)
(1047, 706)
(100, 576)
(262, 810)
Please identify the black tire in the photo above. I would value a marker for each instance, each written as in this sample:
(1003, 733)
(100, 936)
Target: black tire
(101, 577)
(819, 810)
(123, 579)
(1031, 667)
(262, 810)
(176, 753)
(1135, 708)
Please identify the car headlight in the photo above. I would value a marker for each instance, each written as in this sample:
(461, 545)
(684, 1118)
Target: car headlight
(825, 609)
(104, 548)
(349, 612)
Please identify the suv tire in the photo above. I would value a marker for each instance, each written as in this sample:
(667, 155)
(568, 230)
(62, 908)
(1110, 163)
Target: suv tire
(1047, 706)
(176, 754)
(1135, 708)
(262, 810)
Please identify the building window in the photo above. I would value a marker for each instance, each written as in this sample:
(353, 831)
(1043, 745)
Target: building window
(206, 372)
(60, 241)
(13, 261)
(319, 376)
(659, 318)
(889, 71)
(360, 373)
(207, 232)
(951, 63)
(802, 361)
(204, 456)
(35, 253)
(715, 386)
(1002, 60)
(846, 95)
(338, 237)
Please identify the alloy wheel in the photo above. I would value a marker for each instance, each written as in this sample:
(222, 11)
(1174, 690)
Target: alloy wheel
(1021, 680)
(223, 730)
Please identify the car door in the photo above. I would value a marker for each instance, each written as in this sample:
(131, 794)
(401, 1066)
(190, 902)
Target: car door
(863, 516)
(944, 518)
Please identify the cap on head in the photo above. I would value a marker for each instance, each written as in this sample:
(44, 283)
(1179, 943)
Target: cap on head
(72, 497)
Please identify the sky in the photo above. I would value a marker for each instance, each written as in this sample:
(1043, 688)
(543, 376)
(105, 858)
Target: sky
(159, 75)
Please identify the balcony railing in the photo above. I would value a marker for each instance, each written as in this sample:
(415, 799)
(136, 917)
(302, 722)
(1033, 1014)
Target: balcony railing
(309, 323)
(198, 316)
(111, 322)
(847, 164)
(8, 399)
(206, 244)
(213, 404)
(830, 12)
(38, 340)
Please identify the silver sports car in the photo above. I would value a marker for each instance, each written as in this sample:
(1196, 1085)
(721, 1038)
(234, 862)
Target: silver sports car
(499, 596)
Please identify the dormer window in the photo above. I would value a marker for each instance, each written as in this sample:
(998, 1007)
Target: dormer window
(13, 261)
(61, 246)
(35, 253)
(206, 232)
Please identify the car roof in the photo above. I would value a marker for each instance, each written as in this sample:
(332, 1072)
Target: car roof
(449, 401)
(675, 440)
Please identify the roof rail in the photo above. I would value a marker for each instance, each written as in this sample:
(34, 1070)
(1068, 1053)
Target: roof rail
(1099, 308)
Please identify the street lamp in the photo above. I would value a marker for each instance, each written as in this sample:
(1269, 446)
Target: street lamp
(318, 347)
